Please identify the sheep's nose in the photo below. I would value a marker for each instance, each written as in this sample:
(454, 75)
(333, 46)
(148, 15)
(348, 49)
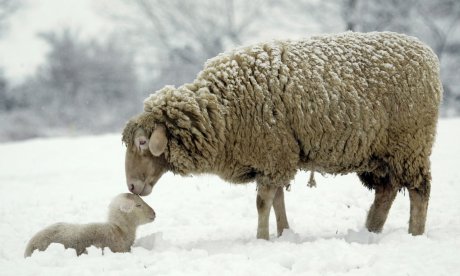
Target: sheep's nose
(131, 187)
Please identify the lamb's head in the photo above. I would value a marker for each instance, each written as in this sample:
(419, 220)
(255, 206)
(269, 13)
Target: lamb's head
(132, 209)
(144, 161)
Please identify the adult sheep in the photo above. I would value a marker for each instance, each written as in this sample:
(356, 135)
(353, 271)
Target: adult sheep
(352, 102)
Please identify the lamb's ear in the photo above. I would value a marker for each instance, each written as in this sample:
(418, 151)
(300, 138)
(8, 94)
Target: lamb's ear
(158, 140)
(126, 205)
(140, 139)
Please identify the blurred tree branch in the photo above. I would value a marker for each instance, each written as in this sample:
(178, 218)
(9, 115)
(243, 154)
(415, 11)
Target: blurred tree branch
(184, 34)
(435, 22)
(440, 32)
(7, 8)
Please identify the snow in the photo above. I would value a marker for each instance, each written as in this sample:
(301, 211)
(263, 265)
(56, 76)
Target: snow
(205, 226)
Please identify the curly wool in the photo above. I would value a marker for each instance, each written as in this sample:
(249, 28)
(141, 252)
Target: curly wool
(351, 102)
(195, 126)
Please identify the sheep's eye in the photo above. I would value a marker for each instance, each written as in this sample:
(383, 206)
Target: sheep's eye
(138, 205)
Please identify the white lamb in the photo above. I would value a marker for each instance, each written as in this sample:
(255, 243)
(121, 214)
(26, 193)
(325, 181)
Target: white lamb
(126, 213)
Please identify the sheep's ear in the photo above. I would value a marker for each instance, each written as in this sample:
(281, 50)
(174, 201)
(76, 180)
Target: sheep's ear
(158, 140)
(126, 206)
(140, 139)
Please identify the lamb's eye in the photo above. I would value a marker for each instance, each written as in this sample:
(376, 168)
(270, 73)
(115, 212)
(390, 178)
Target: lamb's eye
(138, 205)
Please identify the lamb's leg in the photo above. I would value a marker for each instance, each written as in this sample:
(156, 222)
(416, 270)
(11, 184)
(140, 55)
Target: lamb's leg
(418, 210)
(280, 211)
(378, 213)
(264, 202)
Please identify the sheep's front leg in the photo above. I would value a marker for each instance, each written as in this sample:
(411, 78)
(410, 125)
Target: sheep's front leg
(264, 202)
(280, 211)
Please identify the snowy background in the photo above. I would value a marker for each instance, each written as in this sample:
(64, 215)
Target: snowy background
(73, 72)
(73, 67)
(205, 226)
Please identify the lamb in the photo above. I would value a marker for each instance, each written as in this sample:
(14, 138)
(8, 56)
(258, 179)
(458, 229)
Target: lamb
(126, 212)
(364, 103)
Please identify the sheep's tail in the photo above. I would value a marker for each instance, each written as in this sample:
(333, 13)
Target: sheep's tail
(312, 181)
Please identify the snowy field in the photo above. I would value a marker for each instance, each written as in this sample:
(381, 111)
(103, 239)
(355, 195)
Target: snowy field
(205, 226)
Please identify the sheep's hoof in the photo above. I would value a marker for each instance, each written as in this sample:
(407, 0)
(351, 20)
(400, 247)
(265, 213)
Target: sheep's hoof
(281, 230)
(416, 231)
(263, 236)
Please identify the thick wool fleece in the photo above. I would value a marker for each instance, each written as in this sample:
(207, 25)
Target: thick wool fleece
(352, 102)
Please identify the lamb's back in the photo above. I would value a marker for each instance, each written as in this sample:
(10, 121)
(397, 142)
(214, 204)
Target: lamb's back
(79, 237)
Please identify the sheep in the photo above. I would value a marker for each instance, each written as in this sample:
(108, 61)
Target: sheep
(364, 103)
(126, 212)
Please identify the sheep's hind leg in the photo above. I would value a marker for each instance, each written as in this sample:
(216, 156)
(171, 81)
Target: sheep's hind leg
(378, 213)
(418, 210)
(385, 194)
(280, 211)
(264, 202)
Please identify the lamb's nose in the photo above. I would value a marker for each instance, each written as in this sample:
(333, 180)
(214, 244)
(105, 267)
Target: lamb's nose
(131, 187)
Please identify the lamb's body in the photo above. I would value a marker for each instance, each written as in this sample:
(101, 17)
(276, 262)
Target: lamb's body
(365, 103)
(82, 236)
(117, 234)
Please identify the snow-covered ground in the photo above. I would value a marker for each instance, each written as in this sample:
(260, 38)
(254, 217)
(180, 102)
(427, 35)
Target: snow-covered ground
(205, 226)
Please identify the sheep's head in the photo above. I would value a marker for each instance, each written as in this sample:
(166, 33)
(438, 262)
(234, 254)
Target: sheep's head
(134, 208)
(144, 161)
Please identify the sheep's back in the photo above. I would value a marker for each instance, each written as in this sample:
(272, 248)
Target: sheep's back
(330, 103)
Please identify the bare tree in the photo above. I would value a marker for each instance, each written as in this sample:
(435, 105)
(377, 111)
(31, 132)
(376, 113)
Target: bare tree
(7, 8)
(5, 102)
(349, 14)
(377, 15)
(181, 35)
(306, 17)
(442, 18)
(435, 22)
(84, 84)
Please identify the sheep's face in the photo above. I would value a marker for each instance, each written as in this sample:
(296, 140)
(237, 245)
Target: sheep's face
(144, 161)
(132, 206)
